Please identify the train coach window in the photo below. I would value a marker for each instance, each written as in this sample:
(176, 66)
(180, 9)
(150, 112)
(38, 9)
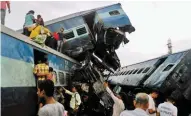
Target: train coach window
(61, 78)
(126, 72)
(81, 31)
(146, 70)
(115, 12)
(67, 78)
(131, 71)
(123, 73)
(135, 71)
(55, 76)
(168, 67)
(69, 35)
(140, 71)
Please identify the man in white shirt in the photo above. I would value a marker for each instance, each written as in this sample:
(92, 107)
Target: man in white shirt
(118, 106)
(151, 111)
(74, 102)
(141, 104)
(167, 108)
(52, 107)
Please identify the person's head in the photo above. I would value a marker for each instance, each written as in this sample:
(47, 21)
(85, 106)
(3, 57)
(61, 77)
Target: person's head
(154, 93)
(31, 12)
(74, 89)
(51, 69)
(141, 101)
(38, 16)
(170, 99)
(61, 30)
(45, 60)
(45, 89)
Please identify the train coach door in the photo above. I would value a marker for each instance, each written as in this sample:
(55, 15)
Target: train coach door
(38, 56)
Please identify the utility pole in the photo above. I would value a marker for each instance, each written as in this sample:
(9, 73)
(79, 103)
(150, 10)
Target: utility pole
(169, 44)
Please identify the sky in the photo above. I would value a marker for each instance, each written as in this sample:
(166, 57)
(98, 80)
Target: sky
(155, 22)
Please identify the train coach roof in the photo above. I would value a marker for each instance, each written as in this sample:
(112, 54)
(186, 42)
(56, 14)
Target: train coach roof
(81, 13)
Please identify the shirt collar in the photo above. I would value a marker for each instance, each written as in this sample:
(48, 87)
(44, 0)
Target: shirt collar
(140, 110)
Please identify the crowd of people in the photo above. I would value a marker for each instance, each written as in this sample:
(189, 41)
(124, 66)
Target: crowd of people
(52, 101)
(144, 105)
(34, 28)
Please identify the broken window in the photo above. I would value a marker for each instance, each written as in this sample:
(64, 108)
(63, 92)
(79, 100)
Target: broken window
(67, 78)
(168, 67)
(61, 78)
(55, 76)
(81, 31)
(115, 12)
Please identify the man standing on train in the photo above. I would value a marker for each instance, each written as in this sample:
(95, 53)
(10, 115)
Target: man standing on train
(4, 5)
(60, 40)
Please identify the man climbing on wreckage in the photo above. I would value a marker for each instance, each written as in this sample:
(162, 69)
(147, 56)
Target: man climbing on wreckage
(74, 102)
(118, 106)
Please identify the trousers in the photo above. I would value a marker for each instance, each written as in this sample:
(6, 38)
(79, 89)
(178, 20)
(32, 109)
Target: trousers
(3, 13)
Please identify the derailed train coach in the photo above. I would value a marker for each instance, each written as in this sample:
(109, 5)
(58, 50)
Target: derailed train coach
(92, 37)
(18, 57)
(170, 74)
(98, 31)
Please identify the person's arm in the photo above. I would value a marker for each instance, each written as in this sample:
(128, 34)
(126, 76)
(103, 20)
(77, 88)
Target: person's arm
(110, 92)
(68, 92)
(175, 112)
(151, 111)
(61, 95)
(151, 107)
(33, 18)
(158, 110)
(42, 113)
(8, 5)
(78, 100)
